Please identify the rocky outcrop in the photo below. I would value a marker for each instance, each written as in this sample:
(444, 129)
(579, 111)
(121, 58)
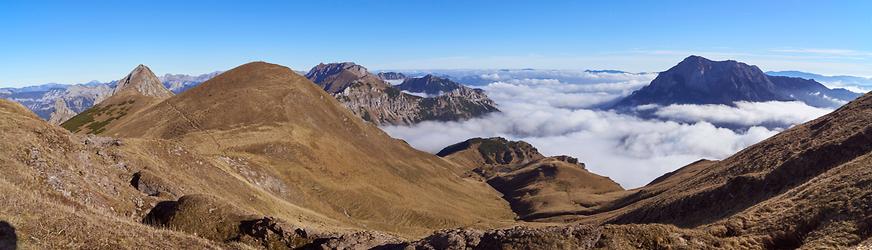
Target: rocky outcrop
(144, 82)
(572, 236)
(214, 219)
(492, 151)
(535, 186)
(61, 112)
(374, 100)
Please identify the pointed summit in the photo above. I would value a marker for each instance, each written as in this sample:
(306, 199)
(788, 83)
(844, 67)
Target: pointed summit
(144, 82)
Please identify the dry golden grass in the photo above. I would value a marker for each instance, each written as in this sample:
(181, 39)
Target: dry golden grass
(42, 223)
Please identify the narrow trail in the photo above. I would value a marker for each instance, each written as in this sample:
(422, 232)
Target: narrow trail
(197, 127)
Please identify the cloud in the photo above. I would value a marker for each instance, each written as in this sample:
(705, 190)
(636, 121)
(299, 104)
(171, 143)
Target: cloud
(744, 113)
(630, 150)
(827, 52)
(554, 115)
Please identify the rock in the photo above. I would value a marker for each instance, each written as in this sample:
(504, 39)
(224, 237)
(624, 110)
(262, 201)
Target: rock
(151, 185)
(214, 219)
(61, 112)
(358, 240)
(143, 81)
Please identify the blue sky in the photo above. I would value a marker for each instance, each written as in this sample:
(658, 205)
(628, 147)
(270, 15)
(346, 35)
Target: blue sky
(78, 41)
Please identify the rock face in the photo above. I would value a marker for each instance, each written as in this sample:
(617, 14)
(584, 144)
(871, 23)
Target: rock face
(144, 82)
(534, 185)
(697, 80)
(374, 100)
(429, 84)
(61, 112)
(491, 151)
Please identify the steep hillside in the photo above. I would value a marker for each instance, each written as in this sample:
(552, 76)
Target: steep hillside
(374, 100)
(292, 139)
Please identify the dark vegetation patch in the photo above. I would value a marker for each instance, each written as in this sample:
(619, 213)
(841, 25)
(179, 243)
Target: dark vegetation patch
(89, 119)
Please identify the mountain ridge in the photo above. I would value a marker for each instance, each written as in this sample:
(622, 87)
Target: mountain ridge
(697, 80)
(375, 100)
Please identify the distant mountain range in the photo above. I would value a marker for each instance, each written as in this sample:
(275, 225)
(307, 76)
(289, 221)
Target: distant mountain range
(854, 83)
(479, 77)
(65, 99)
(697, 80)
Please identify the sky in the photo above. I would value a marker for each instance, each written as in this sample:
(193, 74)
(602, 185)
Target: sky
(79, 41)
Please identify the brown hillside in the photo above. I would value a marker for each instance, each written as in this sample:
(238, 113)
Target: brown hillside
(536, 186)
(64, 191)
(478, 152)
(281, 132)
(553, 186)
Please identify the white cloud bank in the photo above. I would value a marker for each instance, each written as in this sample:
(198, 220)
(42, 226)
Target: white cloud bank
(744, 113)
(555, 116)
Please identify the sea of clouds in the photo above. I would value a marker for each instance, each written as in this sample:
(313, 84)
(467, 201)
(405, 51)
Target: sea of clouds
(562, 112)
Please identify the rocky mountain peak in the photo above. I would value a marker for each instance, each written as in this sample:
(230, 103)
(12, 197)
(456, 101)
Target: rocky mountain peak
(336, 77)
(697, 80)
(322, 71)
(144, 82)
